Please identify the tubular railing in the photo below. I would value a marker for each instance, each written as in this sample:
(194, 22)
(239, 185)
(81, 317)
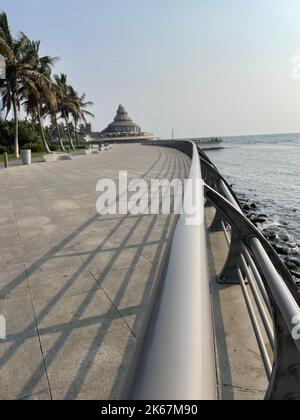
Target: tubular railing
(271, 295)
(175, 359)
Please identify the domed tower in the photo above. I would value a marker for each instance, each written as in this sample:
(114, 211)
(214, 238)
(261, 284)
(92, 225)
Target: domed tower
(122, 125)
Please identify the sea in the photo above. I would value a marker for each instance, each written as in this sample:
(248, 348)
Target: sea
(266, 168)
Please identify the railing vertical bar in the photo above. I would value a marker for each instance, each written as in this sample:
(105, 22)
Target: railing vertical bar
(259, 337)
(257, 278)
(227, 236)
(259, 304)
(280, 292)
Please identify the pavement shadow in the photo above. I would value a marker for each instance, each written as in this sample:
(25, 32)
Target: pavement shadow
(169, 166)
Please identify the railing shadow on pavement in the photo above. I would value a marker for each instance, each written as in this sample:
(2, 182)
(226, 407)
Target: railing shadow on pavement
(77, 320)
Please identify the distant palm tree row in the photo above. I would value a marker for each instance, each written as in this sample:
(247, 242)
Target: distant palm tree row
(29, 84)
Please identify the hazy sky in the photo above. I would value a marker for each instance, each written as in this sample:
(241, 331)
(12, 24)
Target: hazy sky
(204, 67)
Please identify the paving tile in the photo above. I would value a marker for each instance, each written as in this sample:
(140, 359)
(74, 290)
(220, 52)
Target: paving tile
(7, 217)
(8, 230)
(22, 370)
(32, 220)
(108, 258)
(93, 369)
(41, 396)
(10, 240)
(13, 280)
(51, 264)
(130, 287)
(45, 286)
(10, 257)
(76, 317)
(18, 313)
(37, 230)
(37, 247)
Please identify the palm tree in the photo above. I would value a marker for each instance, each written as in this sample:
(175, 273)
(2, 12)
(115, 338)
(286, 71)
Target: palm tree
(39, 92)
(19, 70)
(52, 108)
(79, 112)
(66, 106)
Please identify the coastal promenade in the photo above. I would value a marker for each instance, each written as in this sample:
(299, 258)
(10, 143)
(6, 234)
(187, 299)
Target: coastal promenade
(74, 285)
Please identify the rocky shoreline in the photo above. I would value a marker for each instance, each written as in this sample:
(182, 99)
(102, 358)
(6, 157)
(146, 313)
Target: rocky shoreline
(286, 246)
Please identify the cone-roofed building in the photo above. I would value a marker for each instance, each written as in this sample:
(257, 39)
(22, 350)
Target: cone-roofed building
(123, 128)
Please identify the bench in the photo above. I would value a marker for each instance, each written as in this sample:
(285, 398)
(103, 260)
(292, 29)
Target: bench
(55, 157)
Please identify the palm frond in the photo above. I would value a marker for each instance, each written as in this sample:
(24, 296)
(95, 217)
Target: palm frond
(6, 51)
(5, 32)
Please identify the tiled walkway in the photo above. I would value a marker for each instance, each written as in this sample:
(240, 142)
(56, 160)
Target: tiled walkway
(74, 286)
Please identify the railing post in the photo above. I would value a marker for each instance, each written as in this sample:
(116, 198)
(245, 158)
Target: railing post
(285, 381)
(229, 274)
(283, 295)
(5, 158)
(216, 225)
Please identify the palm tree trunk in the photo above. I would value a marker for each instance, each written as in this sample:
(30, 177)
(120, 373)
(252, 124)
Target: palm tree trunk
(68, 131)
(42, 130)
(16, 117)
(58, 133)
(76, 134)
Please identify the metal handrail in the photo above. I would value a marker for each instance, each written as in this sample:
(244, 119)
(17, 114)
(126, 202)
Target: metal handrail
(254, 263)
(175, 359)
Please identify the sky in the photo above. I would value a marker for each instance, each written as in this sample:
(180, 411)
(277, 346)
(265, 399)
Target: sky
(201, 67)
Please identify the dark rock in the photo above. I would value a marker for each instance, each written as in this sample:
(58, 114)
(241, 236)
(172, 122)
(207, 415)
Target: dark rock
(246, 207)
(284, 236)
(260, 219)
(271, 235)
(295, 261)
(295, 253)
(296, 274)
(291, 266)
(281, 249)
(242, 200)
(253, 206)
(251, 217)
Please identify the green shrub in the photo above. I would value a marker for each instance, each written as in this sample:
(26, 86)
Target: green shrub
(4, 149)
(29, 133)
(54, 147)
(34, 147)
